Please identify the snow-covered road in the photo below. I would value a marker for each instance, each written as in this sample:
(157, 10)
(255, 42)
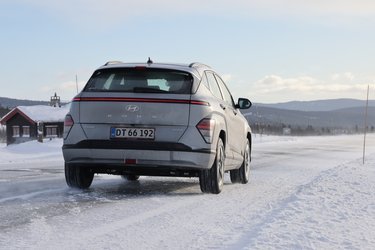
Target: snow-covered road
(304, 193)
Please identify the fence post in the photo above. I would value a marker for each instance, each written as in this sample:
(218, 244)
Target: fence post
(365, 130)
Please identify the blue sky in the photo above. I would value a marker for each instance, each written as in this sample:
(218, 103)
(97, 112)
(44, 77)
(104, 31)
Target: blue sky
(268, 51)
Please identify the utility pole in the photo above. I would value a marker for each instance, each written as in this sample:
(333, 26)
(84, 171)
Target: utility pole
(365, 130)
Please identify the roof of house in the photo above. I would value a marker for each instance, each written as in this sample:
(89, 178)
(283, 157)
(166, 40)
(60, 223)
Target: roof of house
(38, 113)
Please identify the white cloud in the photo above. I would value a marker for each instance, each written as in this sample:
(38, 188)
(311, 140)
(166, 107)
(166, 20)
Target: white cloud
(340, 7)
(67, 90)
(101, 13)
(71, 85)
(277, 83)
(343, 77)
(226, 77)
(274, 88)
(46, 89)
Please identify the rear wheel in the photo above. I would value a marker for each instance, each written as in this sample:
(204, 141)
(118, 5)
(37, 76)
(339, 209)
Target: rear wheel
(130, 177)
(235, 176)
(212, 180)
(245, 168)
(204, 181)
(242, 175)
(77, 176)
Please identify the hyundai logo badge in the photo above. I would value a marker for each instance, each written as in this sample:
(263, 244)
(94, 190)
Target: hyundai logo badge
(132, 108)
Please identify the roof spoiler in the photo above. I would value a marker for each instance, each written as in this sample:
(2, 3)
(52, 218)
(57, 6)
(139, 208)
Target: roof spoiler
(198, 64)
(112, 62)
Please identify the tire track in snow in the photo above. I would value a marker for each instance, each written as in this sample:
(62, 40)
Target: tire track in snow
(32, 195)
(98, 234)
(288, 206)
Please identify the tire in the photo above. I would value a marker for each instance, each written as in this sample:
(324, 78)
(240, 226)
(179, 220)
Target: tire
(245, 167)
(235, 176)
(212, 180)
(204, 181)
(77, 176)
(130, 177)
(242, 175)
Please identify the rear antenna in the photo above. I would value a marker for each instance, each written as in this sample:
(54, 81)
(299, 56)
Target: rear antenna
(149, 61)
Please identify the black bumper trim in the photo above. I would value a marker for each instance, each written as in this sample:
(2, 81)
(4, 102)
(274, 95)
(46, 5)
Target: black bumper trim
(134, 145)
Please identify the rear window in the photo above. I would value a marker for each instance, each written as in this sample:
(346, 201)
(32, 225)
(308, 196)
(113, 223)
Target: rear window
(140, 80)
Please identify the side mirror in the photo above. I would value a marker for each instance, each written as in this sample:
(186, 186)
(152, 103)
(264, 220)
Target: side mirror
(243, 103)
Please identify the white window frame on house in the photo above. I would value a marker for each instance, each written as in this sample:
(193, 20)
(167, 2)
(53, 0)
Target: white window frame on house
(25, 131)
(51, 131)
(15, 131)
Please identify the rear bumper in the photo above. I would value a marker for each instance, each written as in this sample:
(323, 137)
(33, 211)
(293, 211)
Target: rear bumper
(138, 154)
(134, 145)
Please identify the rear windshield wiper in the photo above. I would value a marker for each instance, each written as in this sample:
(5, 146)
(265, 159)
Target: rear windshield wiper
(148, 90)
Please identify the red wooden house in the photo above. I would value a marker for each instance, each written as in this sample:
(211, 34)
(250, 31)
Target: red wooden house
(23, 122)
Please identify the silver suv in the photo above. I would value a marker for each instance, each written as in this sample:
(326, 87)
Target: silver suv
(159, 120)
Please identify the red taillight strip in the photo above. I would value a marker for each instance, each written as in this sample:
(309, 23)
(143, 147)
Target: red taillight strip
(149, 100)
(199, 103)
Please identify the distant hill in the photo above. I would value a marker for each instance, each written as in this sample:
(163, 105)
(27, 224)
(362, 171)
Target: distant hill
(319, 105)
(12, 103)
(341, 118)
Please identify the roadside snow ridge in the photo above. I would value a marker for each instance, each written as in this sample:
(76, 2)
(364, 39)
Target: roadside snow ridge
(330, 212)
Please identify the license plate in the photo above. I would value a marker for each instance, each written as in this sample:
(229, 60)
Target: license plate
(133, 133)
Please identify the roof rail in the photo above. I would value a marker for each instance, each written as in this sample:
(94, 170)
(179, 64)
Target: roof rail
(198, 64)
(112, 62)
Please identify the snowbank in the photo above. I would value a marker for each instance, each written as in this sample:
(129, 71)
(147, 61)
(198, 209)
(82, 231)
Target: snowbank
(336, 210)
(32, 150)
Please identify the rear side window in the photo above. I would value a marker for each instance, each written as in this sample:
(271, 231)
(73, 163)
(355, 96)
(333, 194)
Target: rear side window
(204, 81)
(227, 95)
(142, 80)
(213, 85)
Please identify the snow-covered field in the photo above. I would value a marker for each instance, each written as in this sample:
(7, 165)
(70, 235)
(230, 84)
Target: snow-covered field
(304, 193)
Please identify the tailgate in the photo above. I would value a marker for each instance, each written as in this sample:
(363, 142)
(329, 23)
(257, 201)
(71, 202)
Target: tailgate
(167, 115)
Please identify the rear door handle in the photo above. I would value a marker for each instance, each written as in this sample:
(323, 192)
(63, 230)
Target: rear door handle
(222, 106)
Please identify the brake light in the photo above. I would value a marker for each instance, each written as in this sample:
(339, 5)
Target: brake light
(68, 124)
(206, 128)
(130, 161)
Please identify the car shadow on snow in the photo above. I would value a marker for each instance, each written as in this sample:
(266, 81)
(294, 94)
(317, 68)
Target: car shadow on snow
(105, 189)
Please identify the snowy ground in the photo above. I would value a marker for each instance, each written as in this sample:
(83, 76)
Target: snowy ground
(305, 193)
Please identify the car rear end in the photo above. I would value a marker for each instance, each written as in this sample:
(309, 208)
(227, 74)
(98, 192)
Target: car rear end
(135, 119)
